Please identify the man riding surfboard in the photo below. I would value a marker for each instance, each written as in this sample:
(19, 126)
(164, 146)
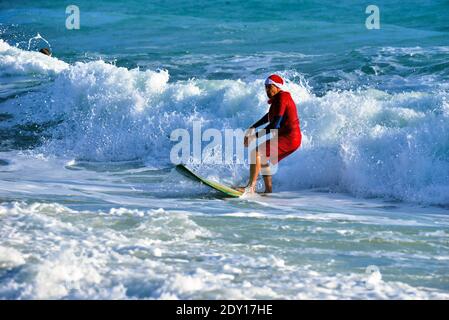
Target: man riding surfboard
(281, 116)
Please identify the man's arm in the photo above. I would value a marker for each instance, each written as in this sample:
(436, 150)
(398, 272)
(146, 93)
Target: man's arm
(275, 124)
(250, 131)
(261, 121)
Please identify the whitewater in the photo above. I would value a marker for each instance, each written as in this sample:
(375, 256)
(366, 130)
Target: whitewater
(92, 208)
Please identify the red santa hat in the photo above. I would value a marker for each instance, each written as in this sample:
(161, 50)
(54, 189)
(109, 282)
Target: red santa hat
(276, 80)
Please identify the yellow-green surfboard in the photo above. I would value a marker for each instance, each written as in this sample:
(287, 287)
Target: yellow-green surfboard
(214, 185)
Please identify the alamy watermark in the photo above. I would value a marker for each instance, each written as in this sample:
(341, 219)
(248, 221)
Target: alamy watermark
(211, 146)
(373, 20)
(72, 21)
(373, 276)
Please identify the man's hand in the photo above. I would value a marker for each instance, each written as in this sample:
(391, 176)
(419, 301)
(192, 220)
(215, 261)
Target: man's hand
(245, 142)
(249, 136)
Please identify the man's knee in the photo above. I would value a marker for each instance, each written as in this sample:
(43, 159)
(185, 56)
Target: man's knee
(254, 157)
(265, 169)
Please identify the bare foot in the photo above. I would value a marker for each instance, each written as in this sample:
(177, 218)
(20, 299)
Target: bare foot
(250, 189)
(245, 189)
(241, 189)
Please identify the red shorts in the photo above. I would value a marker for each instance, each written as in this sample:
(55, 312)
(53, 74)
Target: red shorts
(286, 145)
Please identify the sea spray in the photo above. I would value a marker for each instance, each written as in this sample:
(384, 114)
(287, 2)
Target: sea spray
(366, 141)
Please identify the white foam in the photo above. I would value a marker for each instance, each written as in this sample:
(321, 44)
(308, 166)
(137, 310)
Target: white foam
(16, 61)
(10, 257)
(64, 272)
(121, 254)
(367, 142)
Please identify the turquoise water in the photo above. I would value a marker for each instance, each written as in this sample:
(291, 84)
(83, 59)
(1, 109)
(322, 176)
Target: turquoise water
(92, 208)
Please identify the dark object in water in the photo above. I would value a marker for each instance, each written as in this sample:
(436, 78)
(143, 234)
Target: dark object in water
(45, 51)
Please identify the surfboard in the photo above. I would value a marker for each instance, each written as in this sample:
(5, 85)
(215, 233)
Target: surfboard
(228, 191)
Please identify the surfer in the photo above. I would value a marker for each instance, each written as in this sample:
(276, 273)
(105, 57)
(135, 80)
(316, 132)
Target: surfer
(281, 116)
(45, 51)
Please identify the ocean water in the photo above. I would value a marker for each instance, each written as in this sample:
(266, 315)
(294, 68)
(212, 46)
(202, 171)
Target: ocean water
(91, 208)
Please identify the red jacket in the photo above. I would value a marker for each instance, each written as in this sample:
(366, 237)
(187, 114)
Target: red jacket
(284, 108)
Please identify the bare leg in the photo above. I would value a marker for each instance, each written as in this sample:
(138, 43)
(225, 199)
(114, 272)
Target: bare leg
(254, 173)
(268, 184)
(254, 170)
(266, 174)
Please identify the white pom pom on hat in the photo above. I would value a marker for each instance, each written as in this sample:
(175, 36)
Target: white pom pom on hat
(276, 80)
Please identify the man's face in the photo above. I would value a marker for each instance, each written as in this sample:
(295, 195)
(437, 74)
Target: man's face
(271, 90)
